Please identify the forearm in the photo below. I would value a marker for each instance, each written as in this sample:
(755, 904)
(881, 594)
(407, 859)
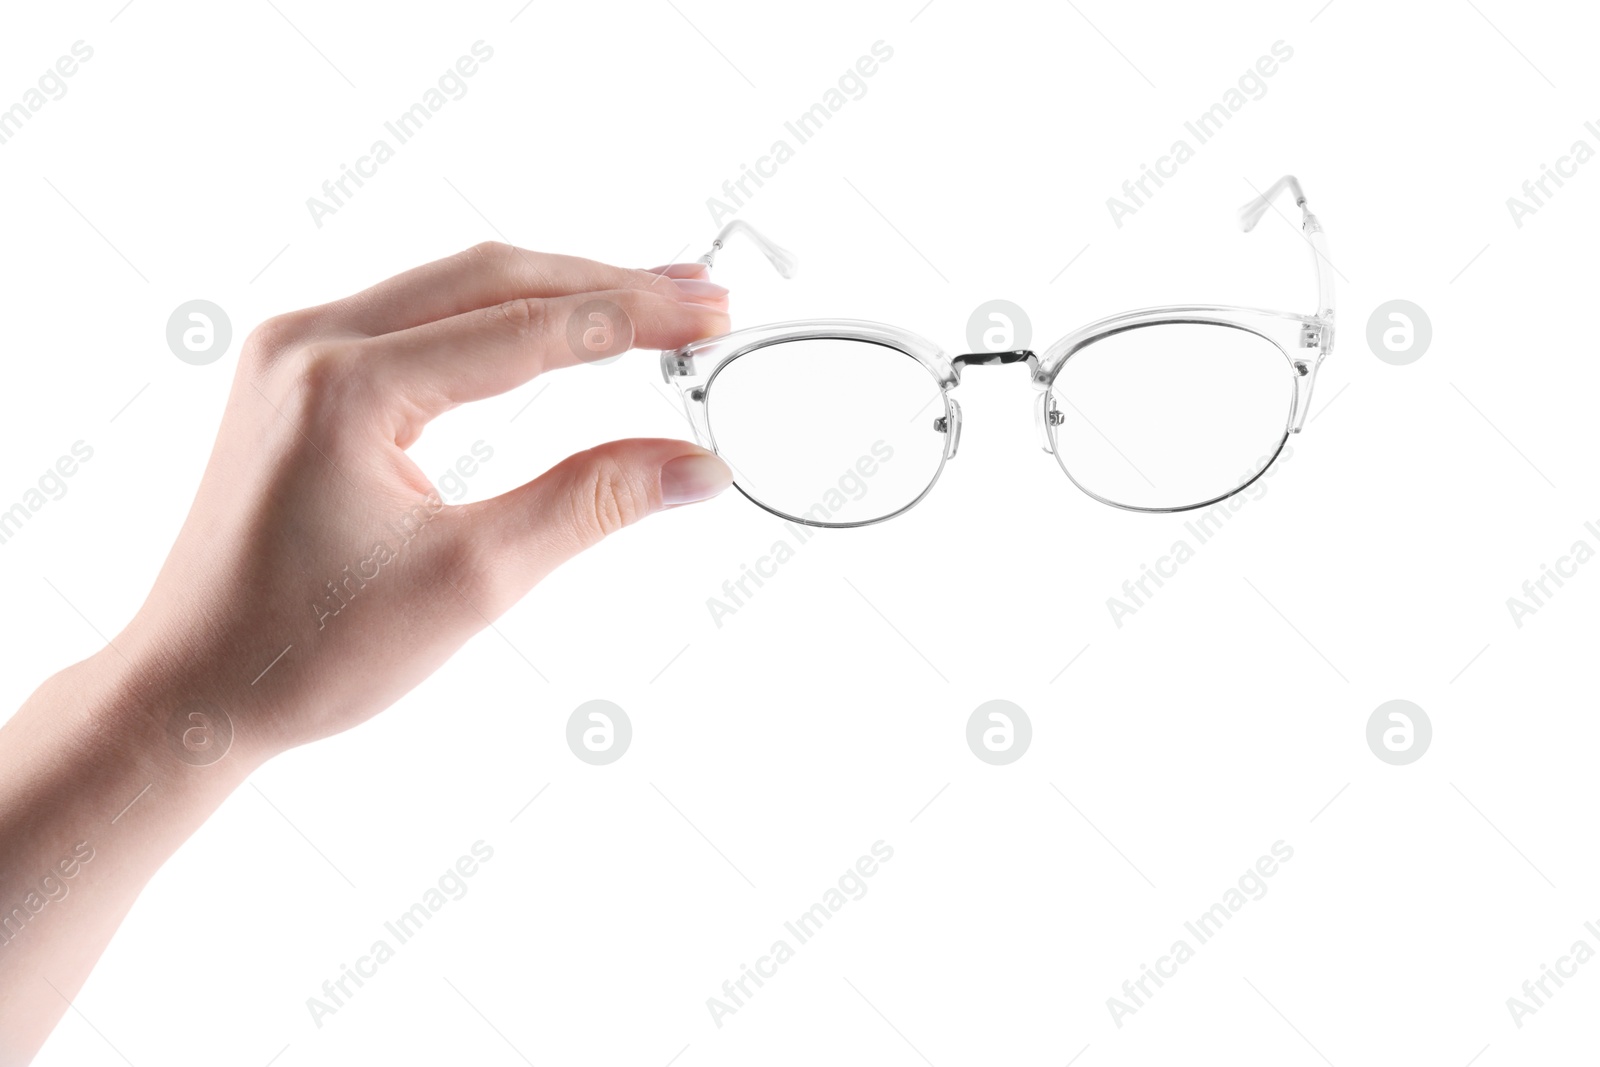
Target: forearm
(98, 787)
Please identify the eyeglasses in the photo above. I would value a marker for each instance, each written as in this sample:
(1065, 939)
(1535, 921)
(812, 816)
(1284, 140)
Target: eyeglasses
(845, 423)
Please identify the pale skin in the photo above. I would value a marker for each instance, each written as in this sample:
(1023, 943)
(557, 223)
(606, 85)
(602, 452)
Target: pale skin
(308, 474)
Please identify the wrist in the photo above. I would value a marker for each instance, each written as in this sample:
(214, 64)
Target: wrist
(153, 719)
(94, 798)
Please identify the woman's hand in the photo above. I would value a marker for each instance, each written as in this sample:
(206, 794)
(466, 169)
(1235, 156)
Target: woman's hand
(317, 578)
(329, 538)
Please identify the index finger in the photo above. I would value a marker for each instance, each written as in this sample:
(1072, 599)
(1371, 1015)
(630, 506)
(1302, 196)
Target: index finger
(488, 351)
(485, 275)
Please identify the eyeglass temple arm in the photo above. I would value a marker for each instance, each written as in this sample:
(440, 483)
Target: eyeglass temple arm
(675, 366)
(1251, 213)
(781, 259)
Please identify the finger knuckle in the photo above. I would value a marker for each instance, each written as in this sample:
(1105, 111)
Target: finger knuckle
(275, 337)
(526, 317)
(488, 253)
(320, 381)
(609, 498)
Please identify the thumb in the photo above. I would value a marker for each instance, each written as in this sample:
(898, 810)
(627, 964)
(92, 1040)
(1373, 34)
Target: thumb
(586, 497)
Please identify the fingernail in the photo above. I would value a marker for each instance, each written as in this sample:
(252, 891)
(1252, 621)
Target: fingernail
(698, 476)
(695, 291)
(682, 270)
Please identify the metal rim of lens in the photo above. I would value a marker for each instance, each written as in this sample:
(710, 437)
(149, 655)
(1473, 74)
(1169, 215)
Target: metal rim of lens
(711, 431)
(1055, 443)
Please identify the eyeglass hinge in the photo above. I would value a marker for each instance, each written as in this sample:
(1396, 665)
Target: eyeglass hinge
(1310, 336)
(679, 366)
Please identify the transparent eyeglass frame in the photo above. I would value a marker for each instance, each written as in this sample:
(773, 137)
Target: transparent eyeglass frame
(1304, 340)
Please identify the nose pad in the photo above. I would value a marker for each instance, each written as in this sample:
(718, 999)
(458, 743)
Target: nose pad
(1304, 383)
(1046, 415)
(950, 426)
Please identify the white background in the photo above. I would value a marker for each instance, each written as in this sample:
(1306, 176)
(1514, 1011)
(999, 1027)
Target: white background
(828, 712)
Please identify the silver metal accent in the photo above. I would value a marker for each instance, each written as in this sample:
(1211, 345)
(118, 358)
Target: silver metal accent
(710, 258)
(781, 259)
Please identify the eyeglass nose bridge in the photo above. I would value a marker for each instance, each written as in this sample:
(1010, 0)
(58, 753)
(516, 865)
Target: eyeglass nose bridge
(1045, 412)
(995, 359)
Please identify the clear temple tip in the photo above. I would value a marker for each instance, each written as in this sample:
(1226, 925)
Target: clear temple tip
(782, 260)
(1251, 213)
